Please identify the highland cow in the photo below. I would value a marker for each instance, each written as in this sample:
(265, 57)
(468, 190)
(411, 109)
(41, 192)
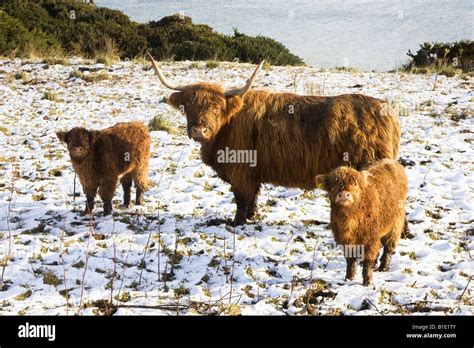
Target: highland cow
(367, 208)
(101, 158)
(294, 137)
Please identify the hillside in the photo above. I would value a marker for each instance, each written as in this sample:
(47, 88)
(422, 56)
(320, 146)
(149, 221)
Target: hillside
(176, 254)
(54, 28)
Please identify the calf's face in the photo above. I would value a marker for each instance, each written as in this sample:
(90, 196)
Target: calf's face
(79, 141)
(344, 185)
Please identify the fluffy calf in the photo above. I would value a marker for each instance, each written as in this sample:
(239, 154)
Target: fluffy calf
(101, 158)
(294, 137)
(367, 209)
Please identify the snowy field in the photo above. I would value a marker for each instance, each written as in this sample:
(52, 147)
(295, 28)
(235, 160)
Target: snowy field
(178, 254)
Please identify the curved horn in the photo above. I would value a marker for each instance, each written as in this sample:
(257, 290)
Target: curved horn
(162, 78)
(248, 85)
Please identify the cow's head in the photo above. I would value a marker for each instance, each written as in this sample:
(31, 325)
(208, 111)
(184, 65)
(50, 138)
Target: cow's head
(344, 185)
(207, 106)
(78, 140)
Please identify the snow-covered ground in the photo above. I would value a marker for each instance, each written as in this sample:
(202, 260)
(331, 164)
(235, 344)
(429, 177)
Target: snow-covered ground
(176, 253)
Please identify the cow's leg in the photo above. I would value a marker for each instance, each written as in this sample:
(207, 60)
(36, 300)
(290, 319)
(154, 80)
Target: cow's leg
(126, 181)
(241, 202)
(251, 209)
(90, 192)
(106, 192)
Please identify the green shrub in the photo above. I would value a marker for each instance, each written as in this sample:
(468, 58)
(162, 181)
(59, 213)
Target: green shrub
(44, 28)
(446, 58)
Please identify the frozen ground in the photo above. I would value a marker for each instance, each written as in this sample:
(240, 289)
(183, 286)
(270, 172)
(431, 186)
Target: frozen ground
(176, 254)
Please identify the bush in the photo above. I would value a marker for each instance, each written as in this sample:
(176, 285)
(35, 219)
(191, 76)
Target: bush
(444, 58)
(38, 27)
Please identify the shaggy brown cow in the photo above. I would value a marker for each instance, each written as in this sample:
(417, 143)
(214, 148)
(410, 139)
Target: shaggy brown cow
(100, 158)
(367, 207)
(295, 137)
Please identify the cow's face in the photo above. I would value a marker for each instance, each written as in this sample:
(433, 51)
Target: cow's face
(344, 185)
(206, 108)
(78, 140)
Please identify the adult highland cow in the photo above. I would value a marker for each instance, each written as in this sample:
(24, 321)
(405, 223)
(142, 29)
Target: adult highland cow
(295, 137)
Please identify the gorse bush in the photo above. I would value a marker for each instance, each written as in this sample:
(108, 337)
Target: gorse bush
(56, 27)
(444, 58)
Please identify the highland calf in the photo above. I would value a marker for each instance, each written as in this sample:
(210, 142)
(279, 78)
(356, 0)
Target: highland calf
(294, 137)
(101, 158)
(367, 208)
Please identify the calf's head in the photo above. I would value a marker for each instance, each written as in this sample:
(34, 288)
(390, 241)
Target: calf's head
(78, 140)
(207, 106)
(344, 185)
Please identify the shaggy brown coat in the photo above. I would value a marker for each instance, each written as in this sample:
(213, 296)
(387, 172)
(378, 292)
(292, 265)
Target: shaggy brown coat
(367, 208)
(296, 137)
(100, 158)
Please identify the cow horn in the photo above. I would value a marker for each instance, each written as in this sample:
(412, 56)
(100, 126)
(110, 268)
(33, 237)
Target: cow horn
(162, 78)
(248, 85)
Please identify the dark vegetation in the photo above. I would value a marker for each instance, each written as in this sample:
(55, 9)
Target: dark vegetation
(54, 28)
(442, 57)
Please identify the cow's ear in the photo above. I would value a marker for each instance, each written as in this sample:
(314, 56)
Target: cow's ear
(322, 182)
(233, 105)
(93, 135)
(176, 100)
(62, 136)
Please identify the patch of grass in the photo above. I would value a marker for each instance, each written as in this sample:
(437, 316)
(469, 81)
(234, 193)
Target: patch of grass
(212, 64)
(38, 197)
(78, 264)
(160, 123)
(124, 297)
(55, 61)
(22, 76)
(181, 291)
(51, 96)
(50, 278)
(23, 296)
(195, 65)
(109, 53)
(91, 77)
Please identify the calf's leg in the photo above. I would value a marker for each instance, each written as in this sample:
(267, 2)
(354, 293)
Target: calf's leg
(90, 192)
(350, 268)
(370, 258)
(126, 184)
(141, 182)
(106, 192)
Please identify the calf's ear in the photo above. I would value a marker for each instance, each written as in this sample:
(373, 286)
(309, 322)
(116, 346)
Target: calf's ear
(322, 182)
(93, 134)
(62, 136)
(233, 105)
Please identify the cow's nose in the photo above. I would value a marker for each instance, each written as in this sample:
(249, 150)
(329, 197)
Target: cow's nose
(198, 132)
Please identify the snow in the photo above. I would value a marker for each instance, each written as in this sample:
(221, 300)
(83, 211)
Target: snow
(182, 227)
